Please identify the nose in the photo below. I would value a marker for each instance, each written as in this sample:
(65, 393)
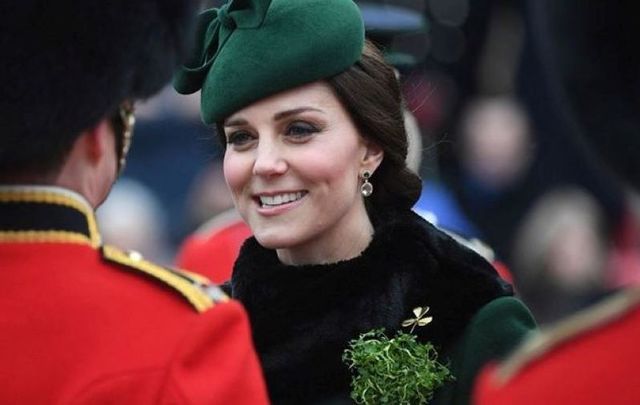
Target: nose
(269, 160)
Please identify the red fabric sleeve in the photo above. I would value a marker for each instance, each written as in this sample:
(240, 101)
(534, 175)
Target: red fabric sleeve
(216, 364)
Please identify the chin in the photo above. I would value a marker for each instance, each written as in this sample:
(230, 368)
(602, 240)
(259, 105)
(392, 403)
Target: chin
(275, 241)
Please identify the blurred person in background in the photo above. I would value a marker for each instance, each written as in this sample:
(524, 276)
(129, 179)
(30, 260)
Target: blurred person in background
(172, 149)
(315, 158)
(208, 195)
(560, 255)
(84, 322)
(132, 218)
(496, 149)
(590, 77)
(496, 146)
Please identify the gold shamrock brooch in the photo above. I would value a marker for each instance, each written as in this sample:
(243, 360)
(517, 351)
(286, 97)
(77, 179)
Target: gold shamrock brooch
(419, 320)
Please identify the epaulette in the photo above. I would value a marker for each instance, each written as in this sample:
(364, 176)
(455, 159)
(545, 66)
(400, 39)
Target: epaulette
(198, 290)
(575, 326)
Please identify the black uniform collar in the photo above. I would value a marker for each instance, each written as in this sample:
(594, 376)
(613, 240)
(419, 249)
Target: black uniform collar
(46, 214)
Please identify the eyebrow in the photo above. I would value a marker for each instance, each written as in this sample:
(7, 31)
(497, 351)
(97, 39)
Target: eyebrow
(277, 117)
(288, 113)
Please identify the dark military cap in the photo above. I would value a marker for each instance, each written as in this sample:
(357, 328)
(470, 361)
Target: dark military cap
(68, 63)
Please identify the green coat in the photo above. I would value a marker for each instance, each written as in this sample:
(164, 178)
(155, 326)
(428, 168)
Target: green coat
(303, 317)
(496, 329)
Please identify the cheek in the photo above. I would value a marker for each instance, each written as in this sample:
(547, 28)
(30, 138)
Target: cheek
(336, 170)
(320, 167)
(237, 172)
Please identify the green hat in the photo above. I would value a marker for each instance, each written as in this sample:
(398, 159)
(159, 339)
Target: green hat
(251, 49)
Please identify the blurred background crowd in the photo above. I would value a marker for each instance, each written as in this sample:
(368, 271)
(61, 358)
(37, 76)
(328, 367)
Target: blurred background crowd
(500, 91)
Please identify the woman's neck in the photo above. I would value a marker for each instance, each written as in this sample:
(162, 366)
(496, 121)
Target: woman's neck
(345, 242)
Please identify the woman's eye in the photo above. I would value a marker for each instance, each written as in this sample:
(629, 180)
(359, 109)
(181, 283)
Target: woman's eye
(239, 138)
(300, 129)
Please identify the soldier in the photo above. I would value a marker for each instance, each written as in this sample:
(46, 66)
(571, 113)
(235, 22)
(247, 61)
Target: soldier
(83, 322)
(590, 357)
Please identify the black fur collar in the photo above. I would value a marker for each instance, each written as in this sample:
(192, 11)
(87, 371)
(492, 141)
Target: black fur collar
(303, 316)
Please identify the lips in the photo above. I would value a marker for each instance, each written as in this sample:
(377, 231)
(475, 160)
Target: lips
(276, 200)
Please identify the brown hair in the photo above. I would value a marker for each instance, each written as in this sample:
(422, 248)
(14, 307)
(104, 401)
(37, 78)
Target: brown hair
(370, 92)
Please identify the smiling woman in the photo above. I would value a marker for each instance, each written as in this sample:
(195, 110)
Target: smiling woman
(311, 118)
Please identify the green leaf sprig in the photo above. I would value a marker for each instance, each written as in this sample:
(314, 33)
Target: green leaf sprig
(399, 370)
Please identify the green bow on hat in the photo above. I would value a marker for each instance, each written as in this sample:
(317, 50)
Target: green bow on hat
(214, 28)
(249, 49)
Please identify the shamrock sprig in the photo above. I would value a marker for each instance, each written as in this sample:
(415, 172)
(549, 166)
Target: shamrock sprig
(399, 370)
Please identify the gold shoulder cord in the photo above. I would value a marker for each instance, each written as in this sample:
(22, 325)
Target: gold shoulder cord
(44, 236)
(212, 290)
(188, 286)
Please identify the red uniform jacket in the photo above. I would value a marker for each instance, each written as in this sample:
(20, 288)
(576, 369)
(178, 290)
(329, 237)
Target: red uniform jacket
(86, 324)
(589, 359)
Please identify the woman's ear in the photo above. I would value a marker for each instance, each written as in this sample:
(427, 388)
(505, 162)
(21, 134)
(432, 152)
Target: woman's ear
(373, 156)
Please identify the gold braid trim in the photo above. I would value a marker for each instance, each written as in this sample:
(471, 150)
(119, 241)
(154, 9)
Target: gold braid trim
(212, 290)
(200, 301)
(59, 199)
(196, 278)
(44, 237)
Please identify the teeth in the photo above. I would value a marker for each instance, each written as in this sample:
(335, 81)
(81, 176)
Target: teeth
(273, 200)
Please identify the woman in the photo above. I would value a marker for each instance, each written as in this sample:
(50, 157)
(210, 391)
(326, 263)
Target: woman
(315, 145)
